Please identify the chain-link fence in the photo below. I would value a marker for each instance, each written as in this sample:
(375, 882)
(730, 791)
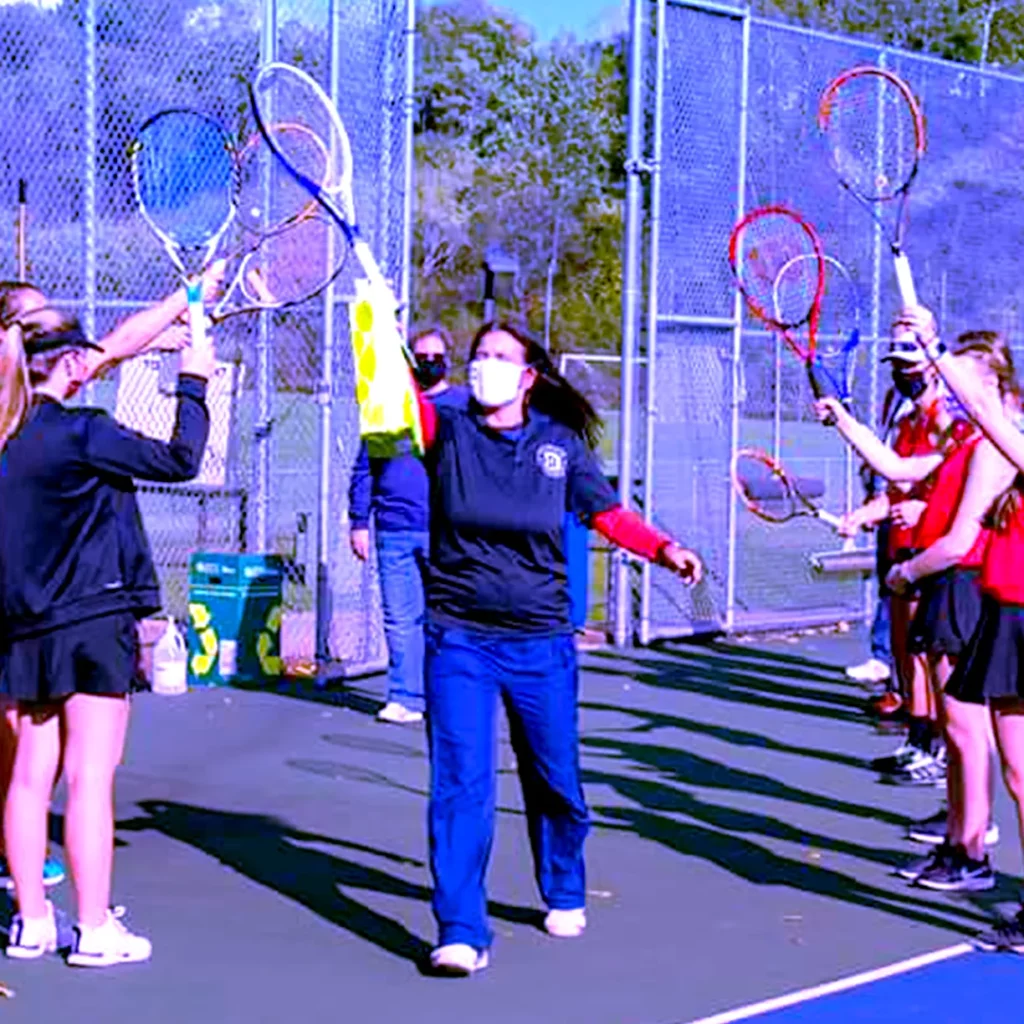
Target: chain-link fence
(77, 79)
(728, 104)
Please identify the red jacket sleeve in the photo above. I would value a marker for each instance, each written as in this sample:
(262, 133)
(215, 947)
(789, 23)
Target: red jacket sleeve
(428, 419)
(629, 531)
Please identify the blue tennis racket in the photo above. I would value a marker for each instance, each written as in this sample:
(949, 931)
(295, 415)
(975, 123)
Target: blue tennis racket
(839, 326)
(186, 186)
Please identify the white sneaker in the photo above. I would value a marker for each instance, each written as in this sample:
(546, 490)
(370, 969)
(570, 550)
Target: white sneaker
(871, 671)
(458, 960)
(31, 938)
(398, 714)
(111, 943)
(566, 924)
(992, 835)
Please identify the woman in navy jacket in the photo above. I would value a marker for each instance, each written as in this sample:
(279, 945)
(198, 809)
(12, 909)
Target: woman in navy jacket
(506, 465)
(75, 574)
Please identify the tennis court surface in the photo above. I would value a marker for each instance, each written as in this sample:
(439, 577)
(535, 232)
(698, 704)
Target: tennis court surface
(273, 847)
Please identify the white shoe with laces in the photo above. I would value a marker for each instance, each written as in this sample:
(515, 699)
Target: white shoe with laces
(458, 960)
(111, 943)
(871, 671)
(31, 938)
(566, 924)
(397, 714)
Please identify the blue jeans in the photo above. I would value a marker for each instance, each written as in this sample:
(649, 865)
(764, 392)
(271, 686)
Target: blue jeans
(881, 635)
(537, 680)
(400, 557)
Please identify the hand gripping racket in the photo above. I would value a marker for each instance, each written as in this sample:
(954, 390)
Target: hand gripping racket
(876, 137)
(186, 187)
(777, 259)
(768, 491)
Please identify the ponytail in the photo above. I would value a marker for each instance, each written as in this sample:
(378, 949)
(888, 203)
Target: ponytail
(14, 385)
(551, 395)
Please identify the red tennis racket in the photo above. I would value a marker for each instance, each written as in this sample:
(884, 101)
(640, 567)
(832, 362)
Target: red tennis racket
(771, 493)
(876, 137)
(779, 265)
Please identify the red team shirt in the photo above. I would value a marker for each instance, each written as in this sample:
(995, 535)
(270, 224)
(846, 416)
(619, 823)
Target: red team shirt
(947, 488)
(915, 435)
(1002, 570)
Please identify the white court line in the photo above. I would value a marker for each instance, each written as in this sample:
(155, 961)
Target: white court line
(831, 988)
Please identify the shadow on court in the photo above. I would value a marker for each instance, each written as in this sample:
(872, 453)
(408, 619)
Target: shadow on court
(273, 846)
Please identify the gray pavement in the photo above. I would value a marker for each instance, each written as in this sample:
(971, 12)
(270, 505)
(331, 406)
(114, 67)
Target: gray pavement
(273, 847)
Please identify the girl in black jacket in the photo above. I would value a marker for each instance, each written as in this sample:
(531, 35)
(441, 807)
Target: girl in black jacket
(75, 574)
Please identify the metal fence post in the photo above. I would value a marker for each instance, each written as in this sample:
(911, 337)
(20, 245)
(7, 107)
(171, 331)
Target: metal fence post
(89, 283)
(653, 269)
(737, 336)
(630, 307)
(409, 118)
(264, 366)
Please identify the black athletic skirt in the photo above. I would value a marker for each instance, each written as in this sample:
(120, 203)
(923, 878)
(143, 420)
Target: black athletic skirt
(947, 614)
(99, 656)
(992, 665)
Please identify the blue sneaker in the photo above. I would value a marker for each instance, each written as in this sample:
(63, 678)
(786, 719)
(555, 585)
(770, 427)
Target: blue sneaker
(53, 873)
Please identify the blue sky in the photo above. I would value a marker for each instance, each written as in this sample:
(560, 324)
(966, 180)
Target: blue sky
(586, 19)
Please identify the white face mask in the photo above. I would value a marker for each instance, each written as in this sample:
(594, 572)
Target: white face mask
(495, 382)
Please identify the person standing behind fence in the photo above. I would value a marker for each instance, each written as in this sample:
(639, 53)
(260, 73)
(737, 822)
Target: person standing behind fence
(76, 573)
(393, 494)
(504, 468)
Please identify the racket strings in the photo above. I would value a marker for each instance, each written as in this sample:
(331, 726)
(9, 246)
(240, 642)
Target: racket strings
(763, 486)
(185, 177)
(282, 94)
(294, 264)
(778, 269)
(873, 131)
(270, 197)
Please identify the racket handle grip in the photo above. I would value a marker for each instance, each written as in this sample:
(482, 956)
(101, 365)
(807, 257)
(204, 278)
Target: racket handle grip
(829, 518)
(904, 279)
(196, 313)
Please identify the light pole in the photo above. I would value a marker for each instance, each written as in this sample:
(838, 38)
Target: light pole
(501, 269)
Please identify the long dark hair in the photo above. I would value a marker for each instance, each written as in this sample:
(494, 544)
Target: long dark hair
(551, 394)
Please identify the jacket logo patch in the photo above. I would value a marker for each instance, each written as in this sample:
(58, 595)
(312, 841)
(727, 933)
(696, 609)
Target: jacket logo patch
(552, 461)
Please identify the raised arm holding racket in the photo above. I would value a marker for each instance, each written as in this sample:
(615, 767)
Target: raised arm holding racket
(876, 138)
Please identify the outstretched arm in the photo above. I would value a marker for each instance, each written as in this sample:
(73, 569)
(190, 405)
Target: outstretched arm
(983, 407)
(139, 332)
(878, 455)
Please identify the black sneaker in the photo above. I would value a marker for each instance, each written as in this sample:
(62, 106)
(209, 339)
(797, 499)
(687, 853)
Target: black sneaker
(893, 762)
(931, 830)
(940, 856)
(958, 874)
(1004, 937)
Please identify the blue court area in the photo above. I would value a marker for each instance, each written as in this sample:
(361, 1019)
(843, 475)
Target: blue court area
(273, 847)
(967, 987)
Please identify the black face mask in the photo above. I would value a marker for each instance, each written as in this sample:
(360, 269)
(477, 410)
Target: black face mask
(909, 385)
(430, 371)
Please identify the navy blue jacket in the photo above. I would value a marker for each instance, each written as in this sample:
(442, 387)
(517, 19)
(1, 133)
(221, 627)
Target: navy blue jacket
(72, 544)
(395, 492)
(498, 504)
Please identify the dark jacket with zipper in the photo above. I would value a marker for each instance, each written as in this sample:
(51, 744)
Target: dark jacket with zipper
(497, 521)
(72, 543)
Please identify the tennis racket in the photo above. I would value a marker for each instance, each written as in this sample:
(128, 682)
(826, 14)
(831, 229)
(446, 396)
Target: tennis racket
(284, 93)
(770, 493)
(186, 186)
(777, 259)
(21, 231)
(839, 324)
(876, 136)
